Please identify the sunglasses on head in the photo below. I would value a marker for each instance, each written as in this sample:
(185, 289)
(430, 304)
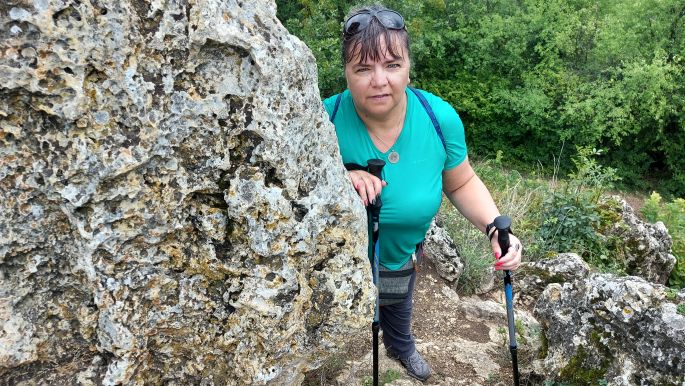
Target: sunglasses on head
(359, 21)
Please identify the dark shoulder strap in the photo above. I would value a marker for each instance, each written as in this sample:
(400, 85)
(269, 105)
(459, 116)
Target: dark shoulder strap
(335, 109)
(429, 110)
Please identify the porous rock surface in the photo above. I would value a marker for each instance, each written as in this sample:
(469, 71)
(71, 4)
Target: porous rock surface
(532, 277)
(440, 248)
(624, 331)
(173, 207)
(646, 247)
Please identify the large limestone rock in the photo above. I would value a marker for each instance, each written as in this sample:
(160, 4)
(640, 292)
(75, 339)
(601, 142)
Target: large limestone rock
(646, 247)
(445, 254)
(532, 277)
(624, 331)
(173, 205)
(440, 249)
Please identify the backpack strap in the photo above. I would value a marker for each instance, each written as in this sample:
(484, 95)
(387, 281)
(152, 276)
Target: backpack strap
(429, 110)
(335, 109)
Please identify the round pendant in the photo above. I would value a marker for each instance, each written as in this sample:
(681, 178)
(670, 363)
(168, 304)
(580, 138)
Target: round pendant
(393, 157)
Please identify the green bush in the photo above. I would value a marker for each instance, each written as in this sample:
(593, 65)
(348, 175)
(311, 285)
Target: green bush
(672, 214)
(553, 216)
(572, 215)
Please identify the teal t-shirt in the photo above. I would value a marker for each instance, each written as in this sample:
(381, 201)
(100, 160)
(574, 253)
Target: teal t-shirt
(414, 191)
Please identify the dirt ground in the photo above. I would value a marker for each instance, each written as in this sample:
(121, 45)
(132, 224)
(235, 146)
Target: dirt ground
(635, 200)
(464, 339)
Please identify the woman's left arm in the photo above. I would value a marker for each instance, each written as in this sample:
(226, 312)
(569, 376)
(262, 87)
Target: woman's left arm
(473, 200)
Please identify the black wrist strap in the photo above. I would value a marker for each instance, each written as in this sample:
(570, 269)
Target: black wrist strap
(490, 227)
(352, 166)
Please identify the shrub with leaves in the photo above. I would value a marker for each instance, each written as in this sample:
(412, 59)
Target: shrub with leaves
(572, 214)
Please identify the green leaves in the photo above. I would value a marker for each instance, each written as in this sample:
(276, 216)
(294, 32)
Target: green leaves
(572, 216)
(528, 76)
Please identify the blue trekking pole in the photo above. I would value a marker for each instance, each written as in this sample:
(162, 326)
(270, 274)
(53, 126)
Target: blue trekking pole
(375, 167)
(503, 225)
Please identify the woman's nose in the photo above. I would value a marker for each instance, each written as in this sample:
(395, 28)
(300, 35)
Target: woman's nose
(379, 78)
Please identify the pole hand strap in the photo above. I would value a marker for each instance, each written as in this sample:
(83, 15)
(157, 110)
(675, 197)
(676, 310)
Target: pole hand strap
(353, 166)
(490, 232)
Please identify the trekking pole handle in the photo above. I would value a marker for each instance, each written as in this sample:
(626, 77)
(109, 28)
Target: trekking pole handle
(376, 168)
(503, 226)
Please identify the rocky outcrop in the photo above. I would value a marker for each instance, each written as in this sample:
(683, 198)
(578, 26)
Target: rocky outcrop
(440, 249)
(646, 248)
(624, 331)
(172, 202)
(531, 279)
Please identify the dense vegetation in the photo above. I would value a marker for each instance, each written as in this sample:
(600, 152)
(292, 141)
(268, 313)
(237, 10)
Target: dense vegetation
(571, 215)
(539, 79)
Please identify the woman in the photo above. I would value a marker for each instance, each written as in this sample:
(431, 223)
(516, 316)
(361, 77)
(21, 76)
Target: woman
(379, 116)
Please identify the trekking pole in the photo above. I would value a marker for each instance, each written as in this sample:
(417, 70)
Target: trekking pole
(503, 225)
(375, 167)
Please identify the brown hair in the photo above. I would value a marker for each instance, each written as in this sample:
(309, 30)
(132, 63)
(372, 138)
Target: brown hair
(368, 43)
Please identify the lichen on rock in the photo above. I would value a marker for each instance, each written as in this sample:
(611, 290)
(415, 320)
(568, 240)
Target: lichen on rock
(174, 205)
(645, 248)
(440, 248)
(623, 331)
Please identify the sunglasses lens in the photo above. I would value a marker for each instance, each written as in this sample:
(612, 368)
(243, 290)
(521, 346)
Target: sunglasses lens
(357, 23)
(389, 19)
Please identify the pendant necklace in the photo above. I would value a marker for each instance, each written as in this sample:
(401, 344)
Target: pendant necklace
(394, 156)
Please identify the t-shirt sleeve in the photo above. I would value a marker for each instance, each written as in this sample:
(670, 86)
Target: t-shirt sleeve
(453, 131)
(328, 104)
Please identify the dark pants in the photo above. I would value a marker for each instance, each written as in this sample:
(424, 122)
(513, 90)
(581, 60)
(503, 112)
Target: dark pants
(395, 322)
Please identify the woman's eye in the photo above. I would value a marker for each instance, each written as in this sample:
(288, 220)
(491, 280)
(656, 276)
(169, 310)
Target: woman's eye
(394, 65)
(362, 69)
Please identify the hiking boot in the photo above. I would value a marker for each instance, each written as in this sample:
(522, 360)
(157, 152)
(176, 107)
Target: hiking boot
(416, 366)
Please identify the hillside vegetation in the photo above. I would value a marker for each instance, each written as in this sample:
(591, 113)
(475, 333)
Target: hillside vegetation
(540, 79)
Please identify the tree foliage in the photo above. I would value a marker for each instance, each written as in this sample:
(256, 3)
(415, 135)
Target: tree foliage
(533, 77)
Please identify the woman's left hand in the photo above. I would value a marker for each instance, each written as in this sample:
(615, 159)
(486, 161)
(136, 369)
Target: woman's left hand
(511, 260)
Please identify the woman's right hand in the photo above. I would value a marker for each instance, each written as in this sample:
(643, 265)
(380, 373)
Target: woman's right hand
(367, 185)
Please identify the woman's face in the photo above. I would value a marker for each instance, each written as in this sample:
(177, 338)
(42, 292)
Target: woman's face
(378, 87)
